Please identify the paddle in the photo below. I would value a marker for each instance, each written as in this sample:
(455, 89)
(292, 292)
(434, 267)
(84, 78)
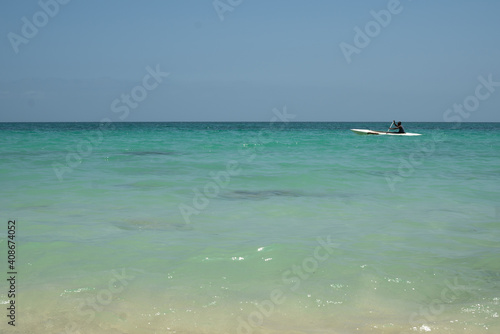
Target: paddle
(390, 126)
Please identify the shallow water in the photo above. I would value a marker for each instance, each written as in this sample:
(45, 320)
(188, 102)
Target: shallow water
(244, 227)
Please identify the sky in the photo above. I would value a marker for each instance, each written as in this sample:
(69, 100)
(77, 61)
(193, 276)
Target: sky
(237, 60)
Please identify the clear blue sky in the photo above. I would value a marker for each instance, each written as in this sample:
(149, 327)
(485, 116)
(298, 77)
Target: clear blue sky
(263, 55)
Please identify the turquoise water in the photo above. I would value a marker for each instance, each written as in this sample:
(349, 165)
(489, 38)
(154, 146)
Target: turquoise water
(252, 227)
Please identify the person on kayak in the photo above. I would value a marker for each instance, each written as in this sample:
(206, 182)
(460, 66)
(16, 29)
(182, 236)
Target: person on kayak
(398, 126)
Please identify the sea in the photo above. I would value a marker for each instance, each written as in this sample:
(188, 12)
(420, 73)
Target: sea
(272, 227)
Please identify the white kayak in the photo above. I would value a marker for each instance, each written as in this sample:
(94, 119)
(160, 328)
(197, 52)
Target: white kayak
(383, 133)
